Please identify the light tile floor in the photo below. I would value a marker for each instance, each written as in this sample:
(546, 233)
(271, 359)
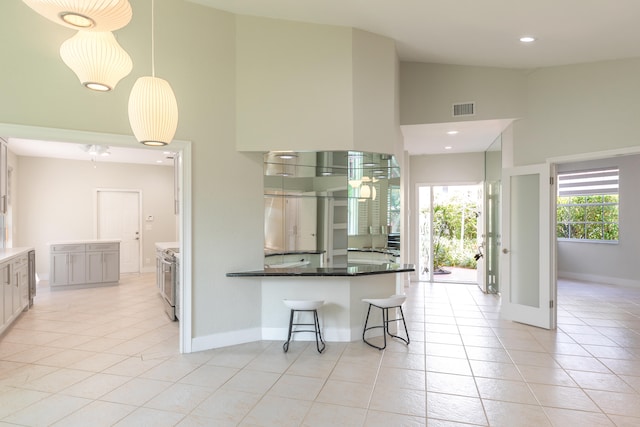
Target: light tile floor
(108, 356)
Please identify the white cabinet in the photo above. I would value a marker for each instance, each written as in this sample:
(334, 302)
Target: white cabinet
(80, 264)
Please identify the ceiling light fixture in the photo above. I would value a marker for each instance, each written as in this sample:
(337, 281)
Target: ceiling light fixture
(97, 59)
(96, 150)
(94, 15)
(452, 132)
(527, 39)
(448, 147)
(153, 109)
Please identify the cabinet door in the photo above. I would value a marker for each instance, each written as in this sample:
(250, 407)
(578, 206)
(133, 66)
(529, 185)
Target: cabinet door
(7, 290)
(23, 286)
(59, 269)
(77, 268)
(110, 266)
(94, 267)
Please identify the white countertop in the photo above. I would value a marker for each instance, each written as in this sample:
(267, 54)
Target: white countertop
(82, 242)
(161, 246)
(8, 253)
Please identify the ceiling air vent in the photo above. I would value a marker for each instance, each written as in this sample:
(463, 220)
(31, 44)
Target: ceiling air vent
(464, 109)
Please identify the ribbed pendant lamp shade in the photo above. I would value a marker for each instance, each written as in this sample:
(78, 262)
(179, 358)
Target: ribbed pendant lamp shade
(153, 111)
(97, 59)
(92, 15)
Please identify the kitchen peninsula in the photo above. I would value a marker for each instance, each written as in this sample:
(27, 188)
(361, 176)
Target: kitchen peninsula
(342, 289)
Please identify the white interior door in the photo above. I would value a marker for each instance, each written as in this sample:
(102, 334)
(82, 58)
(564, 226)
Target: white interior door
(308, 222)
(119, 218)
(527, 265)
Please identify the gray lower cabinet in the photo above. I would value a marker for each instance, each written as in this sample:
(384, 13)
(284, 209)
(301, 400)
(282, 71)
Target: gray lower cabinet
(103, 262)
(7, 291)
(14, 292)
(84, 264)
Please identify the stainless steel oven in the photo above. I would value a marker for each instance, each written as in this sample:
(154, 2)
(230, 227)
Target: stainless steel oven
(168, 280)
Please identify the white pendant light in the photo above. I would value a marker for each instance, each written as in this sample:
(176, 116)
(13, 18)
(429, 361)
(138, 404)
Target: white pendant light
(365, 191)
(97, 59)
(153, 109)
(93, 15)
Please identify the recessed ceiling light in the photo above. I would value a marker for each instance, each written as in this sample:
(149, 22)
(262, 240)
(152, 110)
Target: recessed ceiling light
(452, 132)
(448, 147)
(527, 39)
(158, 161)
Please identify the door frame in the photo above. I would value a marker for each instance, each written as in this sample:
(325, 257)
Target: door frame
(184, 199)
(96, 214)
(416, 224)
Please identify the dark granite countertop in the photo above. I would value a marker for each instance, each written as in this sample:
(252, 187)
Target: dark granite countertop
(272, 253)
(352, 270)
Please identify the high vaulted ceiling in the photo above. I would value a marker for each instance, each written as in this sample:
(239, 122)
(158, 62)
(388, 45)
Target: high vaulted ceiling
(475, 32)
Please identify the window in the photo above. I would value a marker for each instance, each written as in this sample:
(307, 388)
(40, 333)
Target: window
(588, 205)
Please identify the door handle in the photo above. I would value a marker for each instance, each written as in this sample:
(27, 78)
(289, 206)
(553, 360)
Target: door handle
(505, 251)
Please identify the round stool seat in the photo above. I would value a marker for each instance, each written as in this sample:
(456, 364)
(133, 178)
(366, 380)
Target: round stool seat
(392, 301)
(295, 304)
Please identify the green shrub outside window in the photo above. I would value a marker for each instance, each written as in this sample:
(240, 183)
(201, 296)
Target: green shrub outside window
(592, 217)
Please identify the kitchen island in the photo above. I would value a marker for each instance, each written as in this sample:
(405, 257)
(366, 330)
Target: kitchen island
(342, 289)
(84, 263)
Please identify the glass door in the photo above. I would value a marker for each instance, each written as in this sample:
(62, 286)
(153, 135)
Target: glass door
(527, 265)
(448, 236)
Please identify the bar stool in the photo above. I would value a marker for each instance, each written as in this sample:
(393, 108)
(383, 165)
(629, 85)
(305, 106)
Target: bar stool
(394, 301)
(302, 306)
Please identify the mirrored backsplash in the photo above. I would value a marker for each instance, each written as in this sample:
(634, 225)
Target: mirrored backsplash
(335, 208)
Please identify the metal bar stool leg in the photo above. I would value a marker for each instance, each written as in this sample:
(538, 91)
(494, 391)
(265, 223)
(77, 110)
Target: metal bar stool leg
(318, 332)
(285, 346)
(397, 320)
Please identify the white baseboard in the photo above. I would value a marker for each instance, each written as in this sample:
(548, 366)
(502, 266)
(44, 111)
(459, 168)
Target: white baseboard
(328, 334)
(225, 339)
(598, 279)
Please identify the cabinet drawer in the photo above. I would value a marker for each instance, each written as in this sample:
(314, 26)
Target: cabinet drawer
(67, 248)
(20, 261)
(100, 247)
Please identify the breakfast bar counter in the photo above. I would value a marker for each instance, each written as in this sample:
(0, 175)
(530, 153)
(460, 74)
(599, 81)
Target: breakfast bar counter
(342, 316)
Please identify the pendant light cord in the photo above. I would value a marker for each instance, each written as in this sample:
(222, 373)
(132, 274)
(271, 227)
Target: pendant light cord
(153, 59)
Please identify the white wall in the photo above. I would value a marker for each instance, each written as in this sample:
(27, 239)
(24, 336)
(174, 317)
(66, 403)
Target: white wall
(580, 108)
(608, 262)
(57, 203)
(375, 128)
(428, 92)
(294, 86)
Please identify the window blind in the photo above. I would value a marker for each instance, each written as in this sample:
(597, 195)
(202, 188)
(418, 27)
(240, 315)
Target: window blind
(587, 183)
